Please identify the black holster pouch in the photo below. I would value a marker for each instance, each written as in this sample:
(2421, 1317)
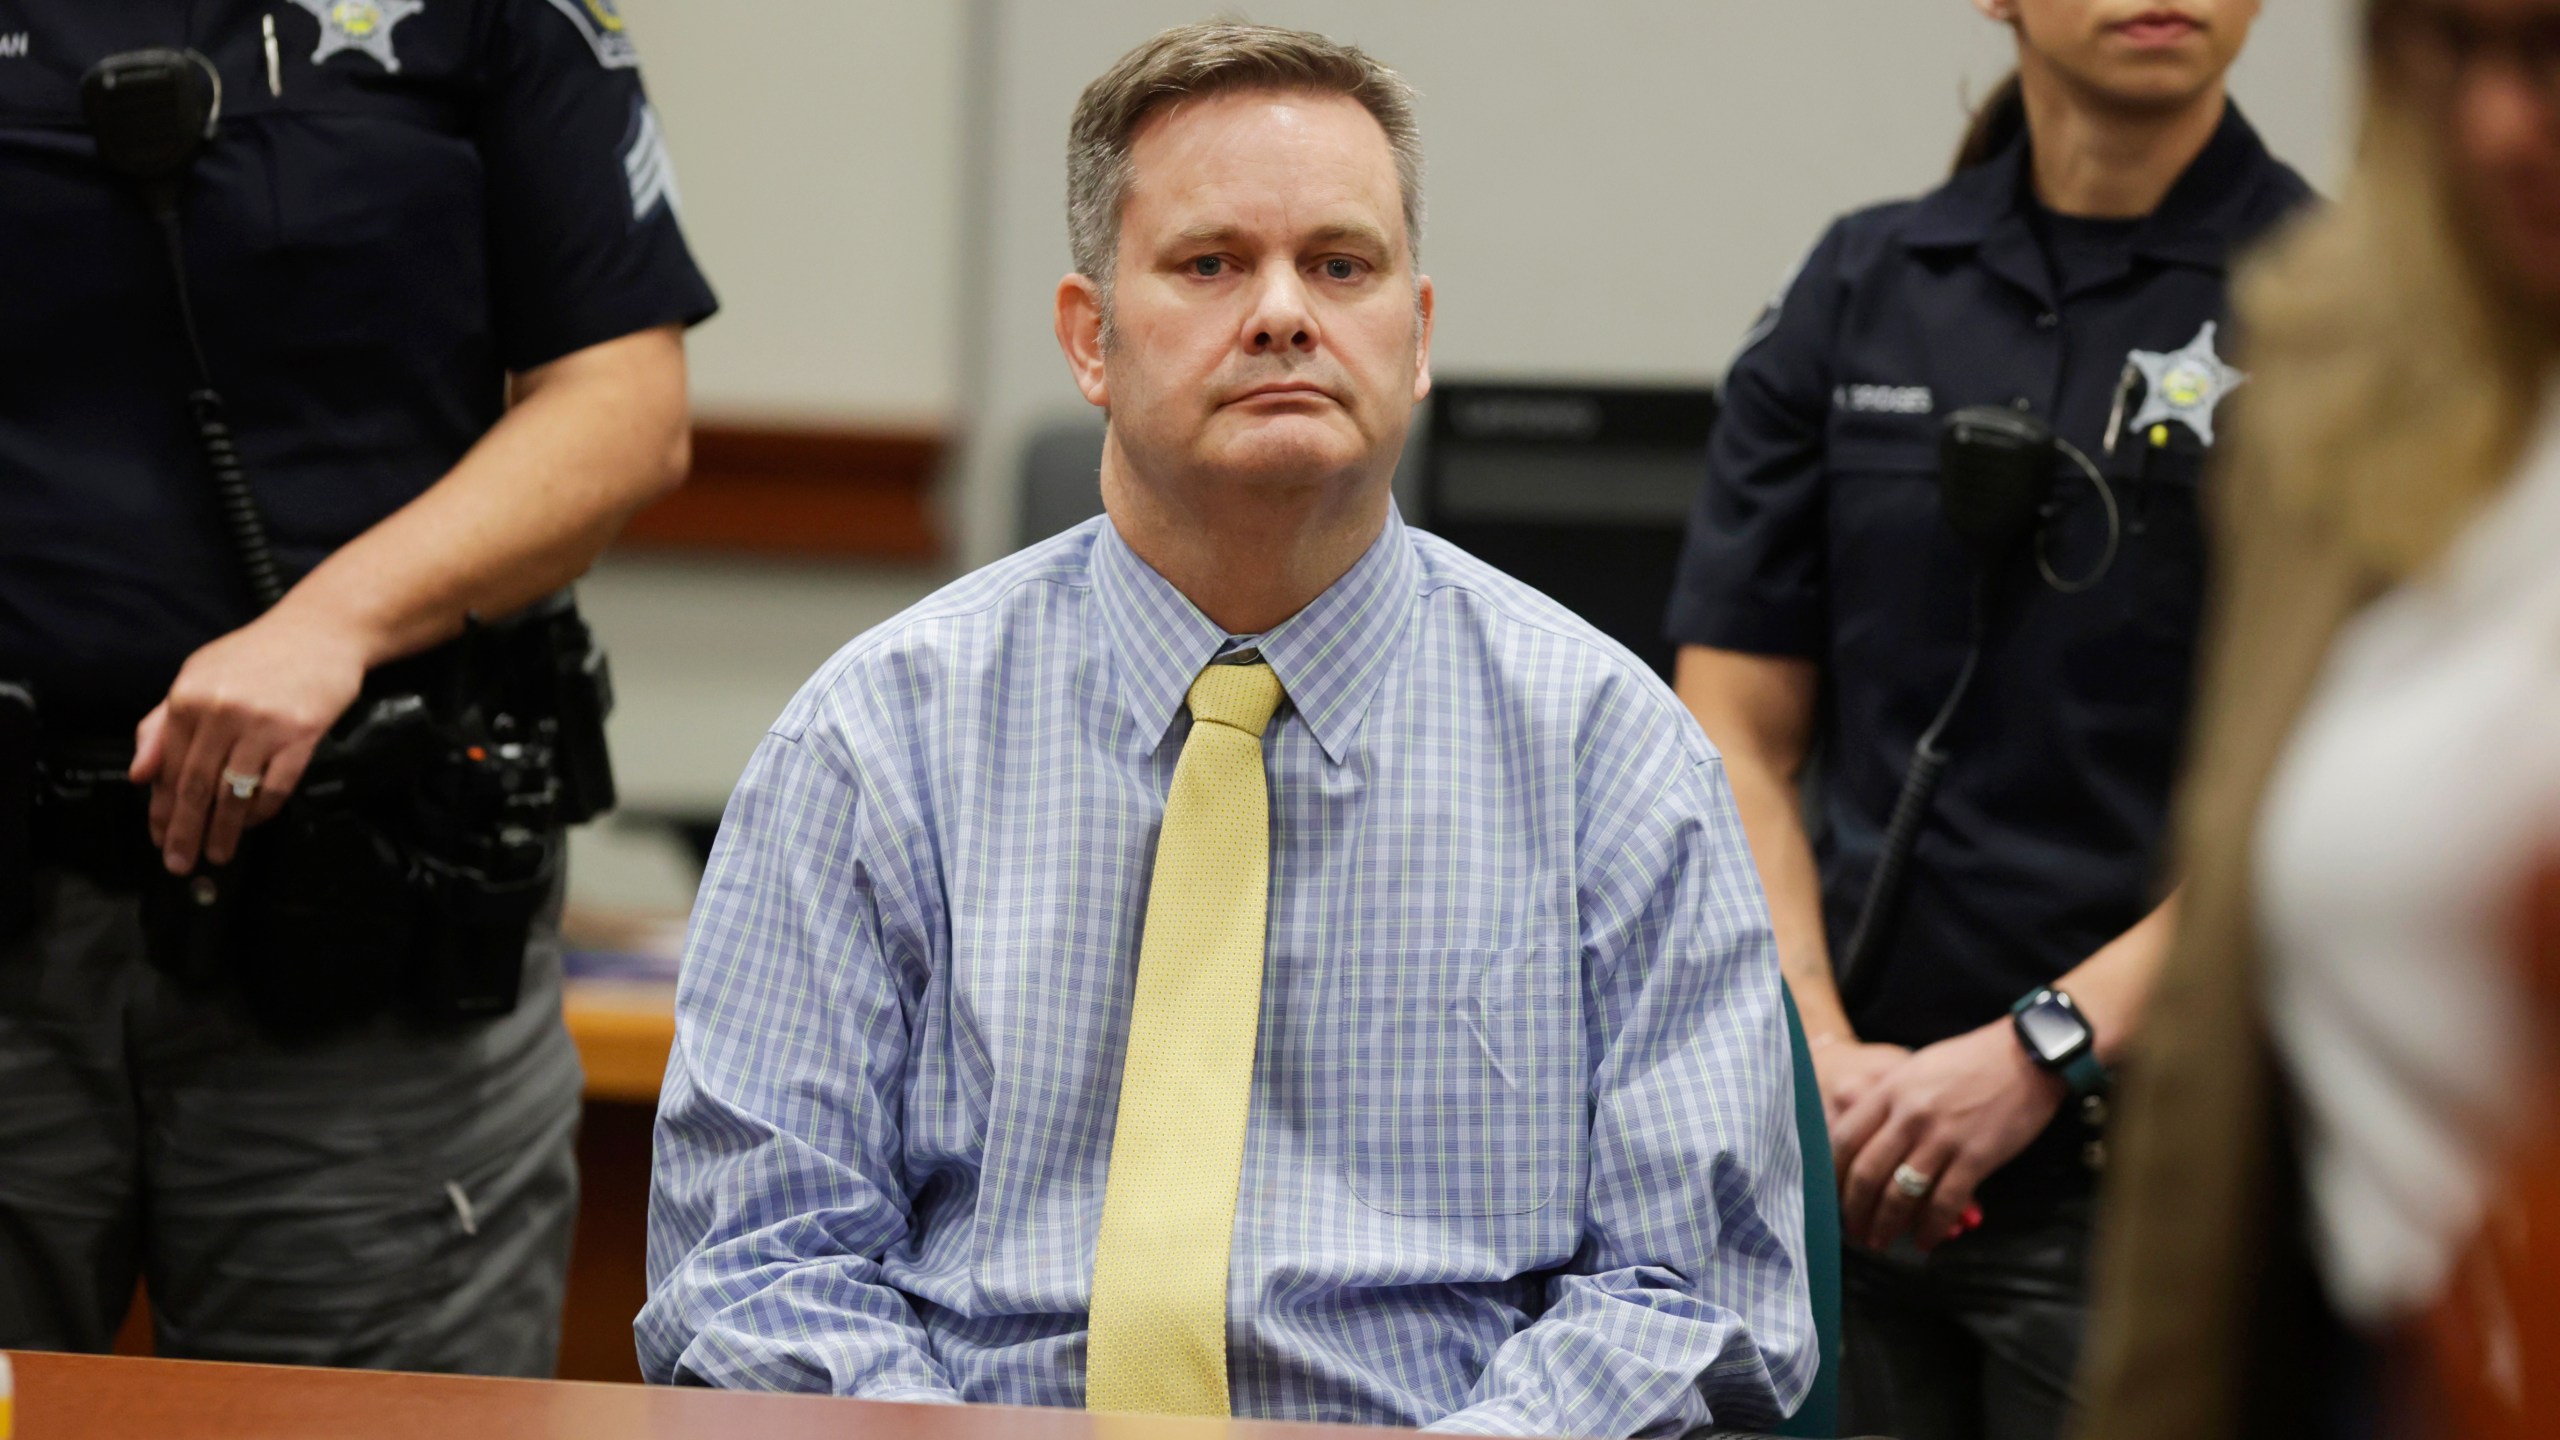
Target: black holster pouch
(404, 877)
(18, 741)
(407, 871)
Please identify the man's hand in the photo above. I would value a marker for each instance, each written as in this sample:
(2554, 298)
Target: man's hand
(1954, 1111)
(1847, 1068)
(254, 702)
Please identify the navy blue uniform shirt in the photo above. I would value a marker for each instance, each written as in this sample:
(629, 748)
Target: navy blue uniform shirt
(1819, 534)
(430, 196)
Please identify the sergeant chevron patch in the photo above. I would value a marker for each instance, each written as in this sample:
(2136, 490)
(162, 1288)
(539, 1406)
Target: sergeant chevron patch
(646, 165)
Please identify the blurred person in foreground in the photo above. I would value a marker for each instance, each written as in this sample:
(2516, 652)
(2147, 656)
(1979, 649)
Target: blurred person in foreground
(2072, 275)
(2342, 1054)
(1241, 955)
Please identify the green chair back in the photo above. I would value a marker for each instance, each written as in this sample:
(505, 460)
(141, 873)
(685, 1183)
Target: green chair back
(1819, 1415)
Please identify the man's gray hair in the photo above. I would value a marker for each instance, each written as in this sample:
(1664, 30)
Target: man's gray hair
(1192, 61)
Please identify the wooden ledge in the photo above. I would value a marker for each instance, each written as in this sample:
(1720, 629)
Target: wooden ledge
(820, 492)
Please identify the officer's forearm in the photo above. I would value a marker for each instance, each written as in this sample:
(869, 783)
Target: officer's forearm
(589, 439)
(1758, 711)
(2111, 986)
(1773, 820)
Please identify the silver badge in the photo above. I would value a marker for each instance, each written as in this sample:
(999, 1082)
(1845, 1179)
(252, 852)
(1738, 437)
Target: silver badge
(2184, 384)
(360, 25)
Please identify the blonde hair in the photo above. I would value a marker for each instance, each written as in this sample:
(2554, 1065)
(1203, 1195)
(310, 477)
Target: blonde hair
(2394, 375)
(1193, 61)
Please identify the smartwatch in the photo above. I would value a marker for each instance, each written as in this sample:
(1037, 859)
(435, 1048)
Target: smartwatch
(2058, 1038)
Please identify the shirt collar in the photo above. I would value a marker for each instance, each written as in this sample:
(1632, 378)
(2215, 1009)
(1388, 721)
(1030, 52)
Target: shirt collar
(1329, 657)
(2197, 223)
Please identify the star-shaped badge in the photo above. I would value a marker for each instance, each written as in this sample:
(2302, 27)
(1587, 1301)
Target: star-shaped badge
(360, 25)
(2184, 384)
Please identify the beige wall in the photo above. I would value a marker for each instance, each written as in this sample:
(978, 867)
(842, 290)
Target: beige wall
(818, 147)
(1615, 184)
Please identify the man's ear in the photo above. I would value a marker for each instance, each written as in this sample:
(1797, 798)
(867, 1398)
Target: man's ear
(1080, 336)
(1423, 300)
(2004, 12)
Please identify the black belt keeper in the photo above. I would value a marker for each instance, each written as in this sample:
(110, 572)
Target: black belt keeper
(17, 810)
(89, 818)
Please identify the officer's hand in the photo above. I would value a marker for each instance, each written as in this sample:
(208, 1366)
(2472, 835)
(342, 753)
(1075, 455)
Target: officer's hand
(1955, 1111)
(254, 702)
(1847, 1068)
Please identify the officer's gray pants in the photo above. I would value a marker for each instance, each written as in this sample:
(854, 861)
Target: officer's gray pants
(394, 1198)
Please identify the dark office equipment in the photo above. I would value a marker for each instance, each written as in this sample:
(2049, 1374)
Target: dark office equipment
(1581, 490)
(1061, 478)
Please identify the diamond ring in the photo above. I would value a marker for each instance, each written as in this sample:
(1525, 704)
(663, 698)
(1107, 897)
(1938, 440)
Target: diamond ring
(242, 787)
(1912, 1183)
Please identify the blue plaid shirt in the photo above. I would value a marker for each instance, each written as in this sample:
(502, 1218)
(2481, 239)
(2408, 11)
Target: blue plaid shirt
(1521, 1155)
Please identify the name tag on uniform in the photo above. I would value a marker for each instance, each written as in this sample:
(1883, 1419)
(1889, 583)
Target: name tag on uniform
(1883, 399)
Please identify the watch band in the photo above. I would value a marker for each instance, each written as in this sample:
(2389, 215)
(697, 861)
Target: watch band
(2086, 1074)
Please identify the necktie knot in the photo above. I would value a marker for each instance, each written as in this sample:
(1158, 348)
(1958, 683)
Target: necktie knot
(1241, 697)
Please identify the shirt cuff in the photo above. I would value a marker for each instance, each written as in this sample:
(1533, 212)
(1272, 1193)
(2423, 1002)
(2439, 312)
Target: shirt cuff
(908, 1395)
(1486, 1417)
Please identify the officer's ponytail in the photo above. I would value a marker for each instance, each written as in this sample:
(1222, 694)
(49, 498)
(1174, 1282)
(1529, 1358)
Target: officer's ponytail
(2000, 119)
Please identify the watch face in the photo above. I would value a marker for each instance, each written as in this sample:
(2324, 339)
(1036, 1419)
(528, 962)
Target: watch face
(2052, 1030)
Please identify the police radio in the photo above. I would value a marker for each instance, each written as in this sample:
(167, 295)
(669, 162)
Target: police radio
(1996, 467)
(408, 867)
(153, 112)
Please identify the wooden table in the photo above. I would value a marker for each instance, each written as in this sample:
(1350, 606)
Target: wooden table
(107, 1397)
(623, 1021)
(623, 1031)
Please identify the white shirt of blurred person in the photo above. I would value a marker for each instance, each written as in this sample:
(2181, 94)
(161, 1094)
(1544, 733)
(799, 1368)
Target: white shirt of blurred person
(2375, 787)
(2421, 788)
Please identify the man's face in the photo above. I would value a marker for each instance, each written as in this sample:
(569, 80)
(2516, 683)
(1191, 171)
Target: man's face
(1267, 329)
(2140, 54)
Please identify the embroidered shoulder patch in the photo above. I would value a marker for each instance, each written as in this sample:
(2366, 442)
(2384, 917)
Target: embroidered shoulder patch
(600, 21)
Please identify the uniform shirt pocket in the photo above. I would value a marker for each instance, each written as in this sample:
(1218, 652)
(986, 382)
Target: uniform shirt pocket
(1462, 1063)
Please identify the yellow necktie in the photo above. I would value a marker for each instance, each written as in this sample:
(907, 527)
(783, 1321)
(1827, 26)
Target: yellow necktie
(1159, 1320)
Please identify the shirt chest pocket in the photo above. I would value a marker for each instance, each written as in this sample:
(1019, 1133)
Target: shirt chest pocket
(1902, 457)
(1465, 1084)
(2145, 616)
(1889, 547)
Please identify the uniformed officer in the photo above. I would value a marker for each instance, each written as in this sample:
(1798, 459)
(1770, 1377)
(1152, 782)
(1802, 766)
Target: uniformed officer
(2073, 271)
(437, 276)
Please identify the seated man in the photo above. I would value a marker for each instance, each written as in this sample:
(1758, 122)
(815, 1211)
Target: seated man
(1242, 954)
